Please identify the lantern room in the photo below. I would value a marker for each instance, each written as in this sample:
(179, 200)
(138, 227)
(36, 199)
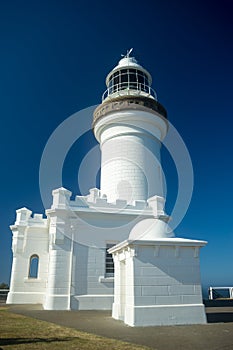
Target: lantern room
(128, 78)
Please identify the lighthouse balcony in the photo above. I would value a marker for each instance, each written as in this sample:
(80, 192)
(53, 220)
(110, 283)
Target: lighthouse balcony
(128, 102)
(136, 89)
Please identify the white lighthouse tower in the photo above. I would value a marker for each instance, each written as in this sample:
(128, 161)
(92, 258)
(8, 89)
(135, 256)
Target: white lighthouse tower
(157, 279)
(129, 125)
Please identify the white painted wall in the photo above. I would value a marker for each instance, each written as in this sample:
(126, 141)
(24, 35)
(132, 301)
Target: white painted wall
(30, 236)
(91, 289)
(71, 245)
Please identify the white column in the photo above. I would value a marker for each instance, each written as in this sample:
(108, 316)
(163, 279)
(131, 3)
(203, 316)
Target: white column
(60, 250)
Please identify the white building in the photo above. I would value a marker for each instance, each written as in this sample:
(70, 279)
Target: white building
(63, 261)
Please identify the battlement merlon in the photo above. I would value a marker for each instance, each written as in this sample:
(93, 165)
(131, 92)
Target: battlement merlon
(61, 198)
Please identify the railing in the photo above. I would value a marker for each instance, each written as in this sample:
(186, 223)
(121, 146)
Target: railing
(218, 293)
(132, 89)
(3, 295)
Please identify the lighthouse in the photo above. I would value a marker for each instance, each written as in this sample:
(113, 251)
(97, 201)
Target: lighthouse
(130, 124)
(113, 249)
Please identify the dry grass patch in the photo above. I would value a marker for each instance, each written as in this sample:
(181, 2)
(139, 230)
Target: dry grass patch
(24, 333)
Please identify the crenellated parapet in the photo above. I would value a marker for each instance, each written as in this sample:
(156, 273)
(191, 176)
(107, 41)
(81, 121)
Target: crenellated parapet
(96, 201)
(24, 224)
(24, 218)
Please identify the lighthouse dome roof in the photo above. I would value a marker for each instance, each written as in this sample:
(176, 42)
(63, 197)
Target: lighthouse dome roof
(128, 61)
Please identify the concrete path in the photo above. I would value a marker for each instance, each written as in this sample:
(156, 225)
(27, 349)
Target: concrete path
(214, 336)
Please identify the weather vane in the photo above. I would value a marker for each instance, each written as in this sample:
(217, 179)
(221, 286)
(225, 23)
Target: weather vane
(128, 53)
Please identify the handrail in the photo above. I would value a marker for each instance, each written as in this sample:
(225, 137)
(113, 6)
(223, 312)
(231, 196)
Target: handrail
(119, 90)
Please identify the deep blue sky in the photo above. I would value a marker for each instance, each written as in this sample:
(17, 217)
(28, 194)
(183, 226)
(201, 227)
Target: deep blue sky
(54, 58)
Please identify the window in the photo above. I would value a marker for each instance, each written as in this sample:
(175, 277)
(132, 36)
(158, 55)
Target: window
(33, 266)
(109, 264)
(128, 79)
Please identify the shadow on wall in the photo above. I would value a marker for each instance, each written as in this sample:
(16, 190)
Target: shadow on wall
(79, 269)
(182, 270)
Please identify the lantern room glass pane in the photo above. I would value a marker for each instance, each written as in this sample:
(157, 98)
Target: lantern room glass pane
(141, 79)
(133, 77)
(124, 81)
(116, 80)
(124, 78)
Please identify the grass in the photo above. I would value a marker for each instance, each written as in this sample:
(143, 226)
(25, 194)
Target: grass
(24, 333)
